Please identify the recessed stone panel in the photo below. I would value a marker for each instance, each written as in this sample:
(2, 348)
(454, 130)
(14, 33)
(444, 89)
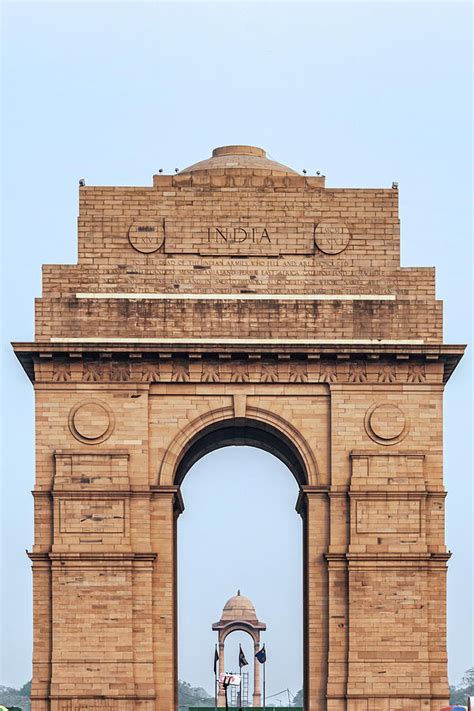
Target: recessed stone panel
(391, 516)
(91, 471)
(92, 516)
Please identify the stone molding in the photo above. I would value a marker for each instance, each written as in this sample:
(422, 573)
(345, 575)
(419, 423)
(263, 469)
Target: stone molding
(146, 363)
(256, 180)
(219, 368)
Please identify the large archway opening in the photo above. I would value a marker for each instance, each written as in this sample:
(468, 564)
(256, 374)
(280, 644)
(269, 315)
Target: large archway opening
(242, 431)
(240, 531)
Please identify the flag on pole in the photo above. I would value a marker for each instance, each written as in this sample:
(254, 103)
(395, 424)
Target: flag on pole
(242, 661)
(262, 655)
(216, 659)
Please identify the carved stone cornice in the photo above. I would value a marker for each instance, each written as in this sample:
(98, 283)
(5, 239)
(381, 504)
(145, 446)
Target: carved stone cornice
(352, 559)
(101, 556)
(101, 559)
(144, 363)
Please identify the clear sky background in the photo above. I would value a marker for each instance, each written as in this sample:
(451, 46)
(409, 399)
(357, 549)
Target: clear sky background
(240, 530)
(366, 93)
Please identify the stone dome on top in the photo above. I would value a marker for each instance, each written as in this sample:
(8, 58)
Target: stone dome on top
(239, 613)
(239, 607)
(241, 157)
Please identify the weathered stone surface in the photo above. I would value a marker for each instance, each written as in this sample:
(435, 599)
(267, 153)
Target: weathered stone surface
(238, 302)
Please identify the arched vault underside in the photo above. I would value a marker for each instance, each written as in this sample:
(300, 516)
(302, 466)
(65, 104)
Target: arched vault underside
(244, 432)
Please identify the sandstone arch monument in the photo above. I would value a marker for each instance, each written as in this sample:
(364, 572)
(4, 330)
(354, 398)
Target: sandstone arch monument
(238, 302)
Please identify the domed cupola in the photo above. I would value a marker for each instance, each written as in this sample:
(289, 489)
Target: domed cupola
(239, 610)
(246, 158)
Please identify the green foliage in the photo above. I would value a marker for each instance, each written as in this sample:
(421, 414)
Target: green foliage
(14, 699)
(26, 689)
(298, 700)
(459, 694)
(191, 696)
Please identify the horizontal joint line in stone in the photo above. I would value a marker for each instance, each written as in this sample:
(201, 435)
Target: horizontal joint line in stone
(240, 297)
(246, 341)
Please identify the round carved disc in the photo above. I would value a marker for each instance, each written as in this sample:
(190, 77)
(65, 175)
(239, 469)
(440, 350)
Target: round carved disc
(387, 422)
(146, 236)
(331, 238)
(90, 421)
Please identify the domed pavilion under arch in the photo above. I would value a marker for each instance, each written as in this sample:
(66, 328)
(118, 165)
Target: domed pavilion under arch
(239, 615)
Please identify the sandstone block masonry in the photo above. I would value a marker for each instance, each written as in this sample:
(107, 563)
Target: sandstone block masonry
(238, 302)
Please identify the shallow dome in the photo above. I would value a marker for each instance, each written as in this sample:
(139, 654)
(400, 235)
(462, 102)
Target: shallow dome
(242, 157)
(239, 607)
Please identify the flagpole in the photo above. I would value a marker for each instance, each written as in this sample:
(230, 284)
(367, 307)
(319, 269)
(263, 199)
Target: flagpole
(240, 669)
(264, 665)
(215, 678)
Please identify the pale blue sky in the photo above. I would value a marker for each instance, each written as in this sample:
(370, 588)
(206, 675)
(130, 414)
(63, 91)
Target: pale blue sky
(366, 93)
(227, 539)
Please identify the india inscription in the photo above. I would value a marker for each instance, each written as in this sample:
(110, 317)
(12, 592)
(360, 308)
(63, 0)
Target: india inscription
(255, 235)
(239, 236)
(238, 301)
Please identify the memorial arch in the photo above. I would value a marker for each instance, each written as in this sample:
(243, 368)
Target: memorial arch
(238, 302)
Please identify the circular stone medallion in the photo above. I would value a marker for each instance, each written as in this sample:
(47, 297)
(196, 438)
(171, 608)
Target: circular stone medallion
(331, 237)
(386, 423)
(146, 236)
(91, 422)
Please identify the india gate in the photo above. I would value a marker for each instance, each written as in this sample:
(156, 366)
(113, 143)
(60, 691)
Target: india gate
(238, 302)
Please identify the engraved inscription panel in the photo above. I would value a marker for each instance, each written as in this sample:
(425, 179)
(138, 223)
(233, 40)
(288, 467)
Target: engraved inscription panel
(389, 516)
(238, 236)
(98, 516)
(334, 275)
